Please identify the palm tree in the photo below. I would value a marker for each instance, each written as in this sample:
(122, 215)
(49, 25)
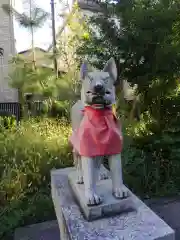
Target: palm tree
(32, 21)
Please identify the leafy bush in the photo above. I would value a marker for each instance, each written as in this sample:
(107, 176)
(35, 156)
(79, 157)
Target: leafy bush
(152, 157)
(60, 109)
(44, 108)
(8, 122)
(27, 156)
(151, 60)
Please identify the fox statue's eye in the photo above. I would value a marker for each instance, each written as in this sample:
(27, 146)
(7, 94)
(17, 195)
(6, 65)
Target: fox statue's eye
(88, 92)
(106, 80)
(108, 92)
(90, 78)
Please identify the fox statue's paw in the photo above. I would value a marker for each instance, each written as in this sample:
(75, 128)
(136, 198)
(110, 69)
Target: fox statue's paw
(120, 192)
(92, 198)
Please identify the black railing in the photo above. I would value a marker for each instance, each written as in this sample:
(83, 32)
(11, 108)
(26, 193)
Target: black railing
(13, 108)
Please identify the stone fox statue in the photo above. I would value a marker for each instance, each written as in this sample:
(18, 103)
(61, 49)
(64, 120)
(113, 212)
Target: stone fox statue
(97, 132)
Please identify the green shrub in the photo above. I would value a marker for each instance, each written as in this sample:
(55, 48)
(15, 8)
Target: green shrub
(7, 122)
(60, 109)
(152, 159)
(28, 210)
(44, 108)
(27, 156)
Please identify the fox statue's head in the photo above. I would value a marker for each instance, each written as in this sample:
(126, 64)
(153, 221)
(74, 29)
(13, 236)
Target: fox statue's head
(98, 86)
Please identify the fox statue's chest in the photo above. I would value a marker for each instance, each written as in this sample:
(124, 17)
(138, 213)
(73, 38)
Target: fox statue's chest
(97, 119)
(98, 133)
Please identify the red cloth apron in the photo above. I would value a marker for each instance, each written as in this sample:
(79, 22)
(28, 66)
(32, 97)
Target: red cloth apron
(98, 133)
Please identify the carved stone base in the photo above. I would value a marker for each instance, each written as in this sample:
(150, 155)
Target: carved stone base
(110, 206)
(142, 224)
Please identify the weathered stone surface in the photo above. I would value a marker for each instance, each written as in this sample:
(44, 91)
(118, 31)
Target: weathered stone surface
(142, 224)
(110, 206)
(50, 230)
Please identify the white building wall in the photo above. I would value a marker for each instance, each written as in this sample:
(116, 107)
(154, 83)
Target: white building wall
(7, 94)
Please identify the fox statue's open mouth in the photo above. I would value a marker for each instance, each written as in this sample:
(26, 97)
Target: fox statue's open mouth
(99, 101)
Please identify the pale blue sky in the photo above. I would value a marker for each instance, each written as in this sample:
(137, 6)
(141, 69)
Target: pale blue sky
(43, 37)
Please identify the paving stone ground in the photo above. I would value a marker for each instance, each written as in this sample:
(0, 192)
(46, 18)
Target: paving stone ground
(41, 231)
(167, 209)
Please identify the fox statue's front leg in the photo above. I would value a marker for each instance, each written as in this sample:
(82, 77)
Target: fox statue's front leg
(90, 167)
(118, 189)
(78, 166)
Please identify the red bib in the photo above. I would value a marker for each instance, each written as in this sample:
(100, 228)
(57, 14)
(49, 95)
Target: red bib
(98, 134)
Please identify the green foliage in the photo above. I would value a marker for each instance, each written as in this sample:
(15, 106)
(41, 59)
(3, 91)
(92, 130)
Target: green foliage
(143, 36)
(153, 154)
(7, 122)
(61, 109)
(44, 108)
(27, 210)
(38, 81)
(143, 39)
(76, 33)
(27, 156)
(27, 77)
(67, 44)
(42, 82)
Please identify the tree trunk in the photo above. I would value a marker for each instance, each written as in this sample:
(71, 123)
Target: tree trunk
(22, 103)
(33, 48)
(54, 39)
(32, 36)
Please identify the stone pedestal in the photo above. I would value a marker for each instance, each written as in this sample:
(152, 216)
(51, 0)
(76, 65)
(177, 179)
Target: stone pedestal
(142, 224)
(110, 205)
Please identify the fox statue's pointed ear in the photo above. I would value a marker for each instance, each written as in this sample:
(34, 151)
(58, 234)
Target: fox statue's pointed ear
(83, 70)
(111, 68)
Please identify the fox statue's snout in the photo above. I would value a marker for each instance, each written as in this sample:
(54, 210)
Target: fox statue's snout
(98, 94)
(99, 89)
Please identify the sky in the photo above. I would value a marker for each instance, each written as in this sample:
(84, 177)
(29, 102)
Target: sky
(43, 36)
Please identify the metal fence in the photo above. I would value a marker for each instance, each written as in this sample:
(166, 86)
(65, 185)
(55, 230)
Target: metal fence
(12, 107)
(38, 105)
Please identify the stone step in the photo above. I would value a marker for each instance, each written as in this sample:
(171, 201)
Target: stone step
(167, 209)
(48, 231)
(141, 224)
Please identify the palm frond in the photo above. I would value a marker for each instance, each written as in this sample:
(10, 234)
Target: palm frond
(37, 18)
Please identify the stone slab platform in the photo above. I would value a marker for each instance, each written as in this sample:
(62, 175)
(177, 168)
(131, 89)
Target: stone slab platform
(110, 205)
(166, 208)
(142, 224)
